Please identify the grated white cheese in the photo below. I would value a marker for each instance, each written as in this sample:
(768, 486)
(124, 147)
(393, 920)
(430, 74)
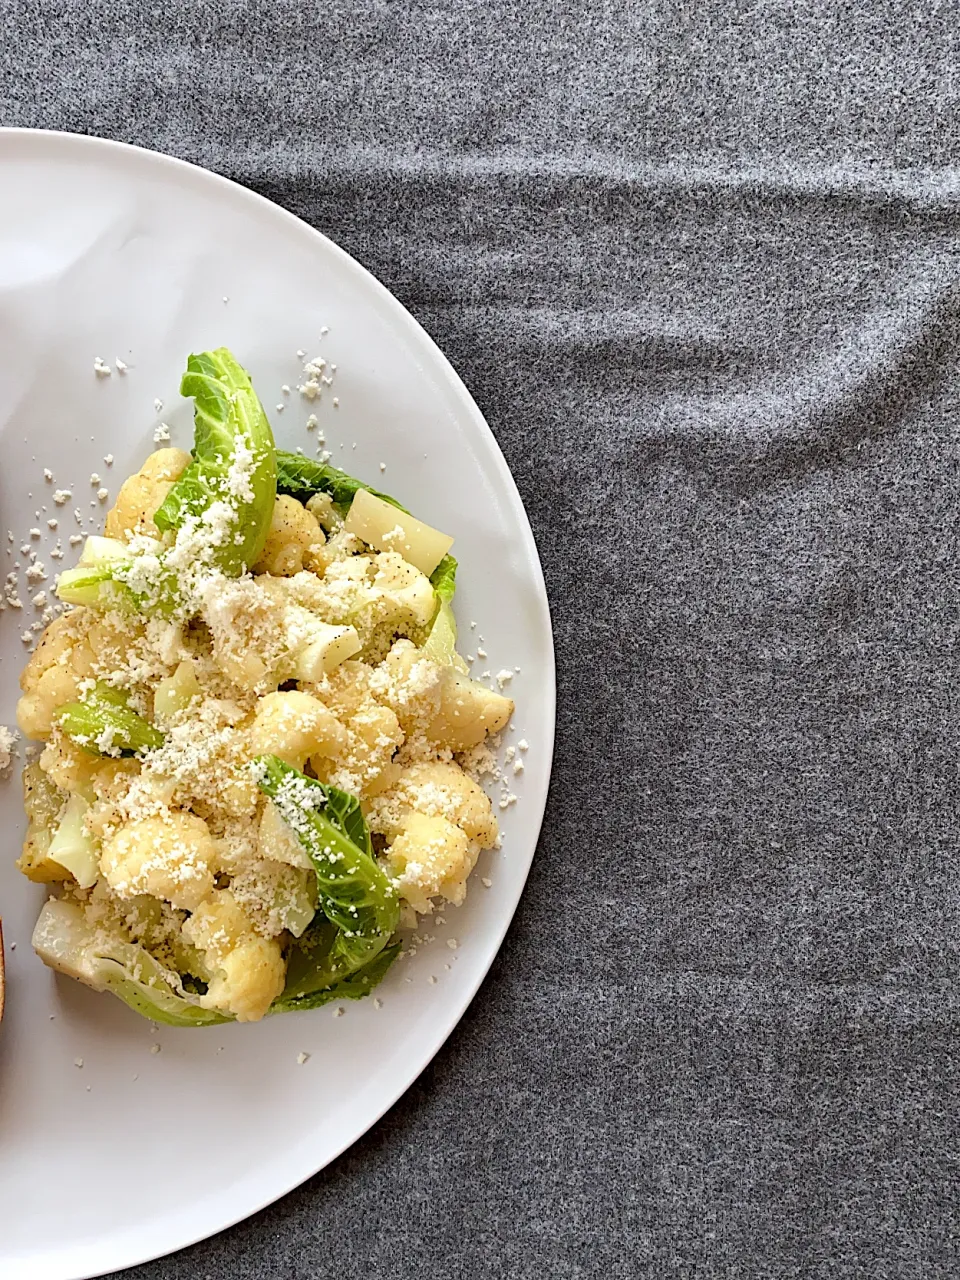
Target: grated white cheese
(8, 738)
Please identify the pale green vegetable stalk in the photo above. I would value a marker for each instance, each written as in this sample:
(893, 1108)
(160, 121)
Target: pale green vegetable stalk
(73, 847)
(103, 724)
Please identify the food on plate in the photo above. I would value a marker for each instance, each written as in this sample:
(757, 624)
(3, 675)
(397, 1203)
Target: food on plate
(254, 718)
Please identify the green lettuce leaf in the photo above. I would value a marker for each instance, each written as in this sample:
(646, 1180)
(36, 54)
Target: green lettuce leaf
(356, 896)
(354, 987)
(444, 579)
(302, 477)
(227, 416)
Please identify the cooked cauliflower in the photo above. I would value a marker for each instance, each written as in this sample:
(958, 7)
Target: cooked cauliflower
(171, 857)
(295, 541)
(144, 493)
(431, 858)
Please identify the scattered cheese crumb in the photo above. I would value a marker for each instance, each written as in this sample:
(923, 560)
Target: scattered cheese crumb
(39, 600)
(103, 494)
(486, 881)
(57, 552)
(336, 402)
(518, 766)
(108, 459)
(433, 980)
(311, 422)
(47, 475)
(78, 1062)
(161, 434)
(94, 478)
(101, 368)
(503, 677)
(35, 572)
(154, 1048)
(279, 408)
(377, 1002)
(51, 524)
(509, 753)
(62, 496)
(285, 389)
(7, 740)
(452, 943)
(121, 367)
(338, 1011)
(76, 539)
(157, 405)
(523, 744)
(302, 1058)
(324, 331)
(383, 466)
(481, 653)
(35, 533)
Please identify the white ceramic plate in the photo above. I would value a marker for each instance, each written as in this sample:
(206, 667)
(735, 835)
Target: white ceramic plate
(109, 251)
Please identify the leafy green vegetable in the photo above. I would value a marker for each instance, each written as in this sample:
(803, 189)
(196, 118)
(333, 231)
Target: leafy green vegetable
(229, 420)
(354, 987)
(355, 894)
(444, 579)
(301, 478)
(102, 723)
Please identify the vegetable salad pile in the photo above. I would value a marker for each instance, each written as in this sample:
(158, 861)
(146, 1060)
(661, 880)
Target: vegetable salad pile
(256, 727)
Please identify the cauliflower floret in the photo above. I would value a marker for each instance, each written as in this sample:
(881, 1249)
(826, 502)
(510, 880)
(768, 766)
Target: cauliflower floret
(373, 734)
(143, 494)
(248, 980)
(170, 856)
(409, 684)
(468, 712)
(435, 788)
(248, 970)
(295, 541)
(294, 726)
(430, 858)
(52, 677)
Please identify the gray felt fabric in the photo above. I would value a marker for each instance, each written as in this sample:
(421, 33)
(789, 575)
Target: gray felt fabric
(700, 266)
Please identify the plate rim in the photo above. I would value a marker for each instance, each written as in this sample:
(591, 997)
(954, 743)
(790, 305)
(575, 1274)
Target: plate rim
(237, 192)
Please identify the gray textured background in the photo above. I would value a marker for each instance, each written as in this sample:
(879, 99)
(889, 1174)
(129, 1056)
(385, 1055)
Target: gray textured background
(700, 266)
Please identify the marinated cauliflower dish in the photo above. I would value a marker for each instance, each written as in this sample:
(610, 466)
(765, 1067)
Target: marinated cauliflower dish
(254, 722)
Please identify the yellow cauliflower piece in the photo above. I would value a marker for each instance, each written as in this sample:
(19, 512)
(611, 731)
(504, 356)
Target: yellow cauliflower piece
(170, 856)
(295, 541)
(248, 970)
(68, 766)
(468, 712)
(143, 493)
(248, 980)
(373, 734)
(52, 676)
(409, 684)
(294, 726)
(431, 858)
(435, 788)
